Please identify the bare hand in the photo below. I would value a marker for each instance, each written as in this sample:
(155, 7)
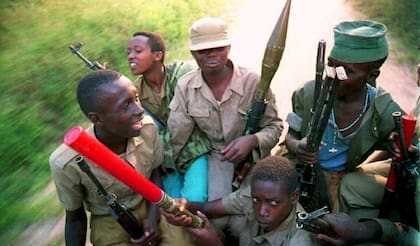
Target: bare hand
(178, 219)
(151, 235)
(349, 231)
(205, 236)
(239, 148)
(304, 156)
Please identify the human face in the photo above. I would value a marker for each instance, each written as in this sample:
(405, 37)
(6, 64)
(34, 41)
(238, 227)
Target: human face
(271, 202)
(120, 113)
(211, 59)
(141, 58)
(358, 75)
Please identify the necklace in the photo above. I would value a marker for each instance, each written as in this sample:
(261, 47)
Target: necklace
(353, 123)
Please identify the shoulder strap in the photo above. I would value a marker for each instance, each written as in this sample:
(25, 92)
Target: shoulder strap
(85, 168)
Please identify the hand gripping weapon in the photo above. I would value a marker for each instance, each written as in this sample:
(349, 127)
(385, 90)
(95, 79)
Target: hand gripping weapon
(310, 175)
(403, 174)
(89, 147)
(272, 57)
(313, 221)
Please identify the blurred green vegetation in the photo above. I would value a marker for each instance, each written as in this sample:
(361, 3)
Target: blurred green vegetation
(39, 75)
(403, 21)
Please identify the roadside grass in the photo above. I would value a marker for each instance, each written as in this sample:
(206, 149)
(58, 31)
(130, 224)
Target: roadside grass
(403, 22)
(39, 75)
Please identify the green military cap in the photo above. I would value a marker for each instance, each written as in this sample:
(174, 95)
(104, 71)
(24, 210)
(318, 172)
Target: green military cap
(359, 41)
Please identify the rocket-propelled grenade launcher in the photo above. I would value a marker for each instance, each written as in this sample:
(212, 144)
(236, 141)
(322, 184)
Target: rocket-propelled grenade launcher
(93, 150)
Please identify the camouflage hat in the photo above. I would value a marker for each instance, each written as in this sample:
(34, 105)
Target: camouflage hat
(207, 33)
(359, 41)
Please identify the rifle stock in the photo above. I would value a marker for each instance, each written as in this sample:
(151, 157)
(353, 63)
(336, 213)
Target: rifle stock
(271, 60)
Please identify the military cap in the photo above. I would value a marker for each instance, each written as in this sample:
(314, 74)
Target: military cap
(207, 33)
(359, 41)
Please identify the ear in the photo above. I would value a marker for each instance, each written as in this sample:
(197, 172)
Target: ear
(158, 55)
(374, 74)
(95, 118)
(294, 197)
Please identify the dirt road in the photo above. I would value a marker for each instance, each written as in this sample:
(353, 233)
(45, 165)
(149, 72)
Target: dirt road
(309, 22)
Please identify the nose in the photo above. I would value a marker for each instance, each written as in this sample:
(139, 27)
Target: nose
(130, 55)
(139, 110)
(263, 210)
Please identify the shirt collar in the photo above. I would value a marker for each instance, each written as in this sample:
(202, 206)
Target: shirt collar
(235, 84)
(130, 150)
(281, 234)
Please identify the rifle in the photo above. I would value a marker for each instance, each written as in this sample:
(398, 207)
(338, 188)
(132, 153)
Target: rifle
(313, 221)
(309, 173)
(96, 65)
(271, 60)
(92, 65)
(400, 188)
(119, 211)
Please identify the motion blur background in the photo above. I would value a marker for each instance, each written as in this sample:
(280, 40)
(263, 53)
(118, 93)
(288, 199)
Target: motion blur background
(39, 73)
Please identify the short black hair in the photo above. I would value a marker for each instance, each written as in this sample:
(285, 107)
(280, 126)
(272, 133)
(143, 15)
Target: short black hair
(155, 41)
(87, 89)
(276, 169)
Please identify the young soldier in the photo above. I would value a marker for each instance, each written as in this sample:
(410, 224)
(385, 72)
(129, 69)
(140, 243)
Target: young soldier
(215, 98)
(111, 103)
(156, 85)
(264, 213)
(361, 117)
(360, 122)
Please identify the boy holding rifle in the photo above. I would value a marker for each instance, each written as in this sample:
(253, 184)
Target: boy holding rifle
(352, 155)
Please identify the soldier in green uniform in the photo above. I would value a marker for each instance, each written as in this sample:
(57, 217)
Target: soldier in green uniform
(185, 176)
(352, 153)
(361, 117)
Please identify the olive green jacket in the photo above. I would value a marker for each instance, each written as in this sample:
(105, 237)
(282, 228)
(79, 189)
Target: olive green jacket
(158, 107)
(378, 122)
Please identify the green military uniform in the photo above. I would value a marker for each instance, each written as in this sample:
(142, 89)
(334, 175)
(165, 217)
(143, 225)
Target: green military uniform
(244, 225)
(361, 189)
(75, 189)
(377, 123)
(158, 106)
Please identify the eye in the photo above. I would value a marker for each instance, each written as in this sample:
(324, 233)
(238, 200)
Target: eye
(254, 200)
(274, 203)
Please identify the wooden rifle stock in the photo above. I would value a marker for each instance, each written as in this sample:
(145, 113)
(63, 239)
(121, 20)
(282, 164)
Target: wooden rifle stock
(271, 60)
(400, 187)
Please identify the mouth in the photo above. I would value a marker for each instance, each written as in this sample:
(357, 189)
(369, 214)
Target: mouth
(212, 63)
(137, 125)
(132, 65)
(264, 224)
